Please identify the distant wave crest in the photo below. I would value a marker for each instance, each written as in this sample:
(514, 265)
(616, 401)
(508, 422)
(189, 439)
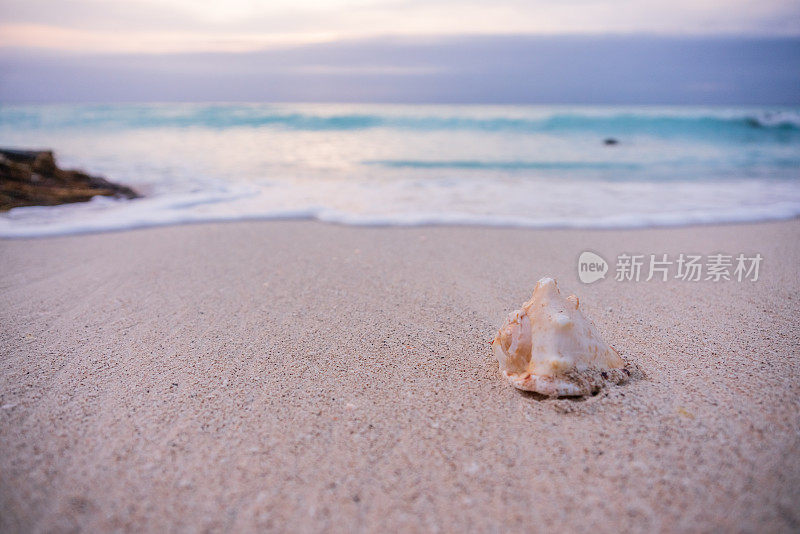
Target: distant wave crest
(665, 123)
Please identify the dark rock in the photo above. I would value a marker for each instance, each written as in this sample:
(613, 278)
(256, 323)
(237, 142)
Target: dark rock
(609, 141)
(32, 178)
(45, 163)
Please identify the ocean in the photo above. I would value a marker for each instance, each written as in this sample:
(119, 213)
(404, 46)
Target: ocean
(528, 166)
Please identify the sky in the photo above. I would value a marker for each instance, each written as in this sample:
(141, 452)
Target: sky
(158, 26)
(570, 51)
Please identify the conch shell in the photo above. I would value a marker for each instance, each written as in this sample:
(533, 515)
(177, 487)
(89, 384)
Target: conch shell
(550, 347)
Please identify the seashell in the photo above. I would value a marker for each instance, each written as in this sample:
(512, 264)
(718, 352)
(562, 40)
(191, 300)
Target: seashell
(551, 348)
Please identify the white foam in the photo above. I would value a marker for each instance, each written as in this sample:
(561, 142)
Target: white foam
(486, 203)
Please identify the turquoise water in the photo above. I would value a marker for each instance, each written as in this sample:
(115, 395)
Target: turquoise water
(531, 166)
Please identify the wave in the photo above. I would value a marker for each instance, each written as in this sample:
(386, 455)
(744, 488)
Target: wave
(130, 220)
(530, 204)
(680, 122)
(406, 165)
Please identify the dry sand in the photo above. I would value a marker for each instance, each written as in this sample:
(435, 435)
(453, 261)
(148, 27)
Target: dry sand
(301, 377)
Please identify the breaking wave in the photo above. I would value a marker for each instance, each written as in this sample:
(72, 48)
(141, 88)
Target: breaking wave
(661, 122)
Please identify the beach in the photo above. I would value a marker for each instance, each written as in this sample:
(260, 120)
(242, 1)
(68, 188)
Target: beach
(301, 376)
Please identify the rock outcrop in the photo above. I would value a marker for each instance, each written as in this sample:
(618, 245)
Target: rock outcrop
(32, 178)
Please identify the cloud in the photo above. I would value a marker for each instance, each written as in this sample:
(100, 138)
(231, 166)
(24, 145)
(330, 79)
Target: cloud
(98, 15)
(183, 25)
(463, 69)
(153, 42)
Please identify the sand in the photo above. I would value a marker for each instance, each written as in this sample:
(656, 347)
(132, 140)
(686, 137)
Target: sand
(298, 376)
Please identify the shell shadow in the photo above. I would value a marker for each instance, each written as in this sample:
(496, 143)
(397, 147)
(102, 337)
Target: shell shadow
(543, 398)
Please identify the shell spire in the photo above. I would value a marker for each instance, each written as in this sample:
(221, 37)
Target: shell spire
(551, 348)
